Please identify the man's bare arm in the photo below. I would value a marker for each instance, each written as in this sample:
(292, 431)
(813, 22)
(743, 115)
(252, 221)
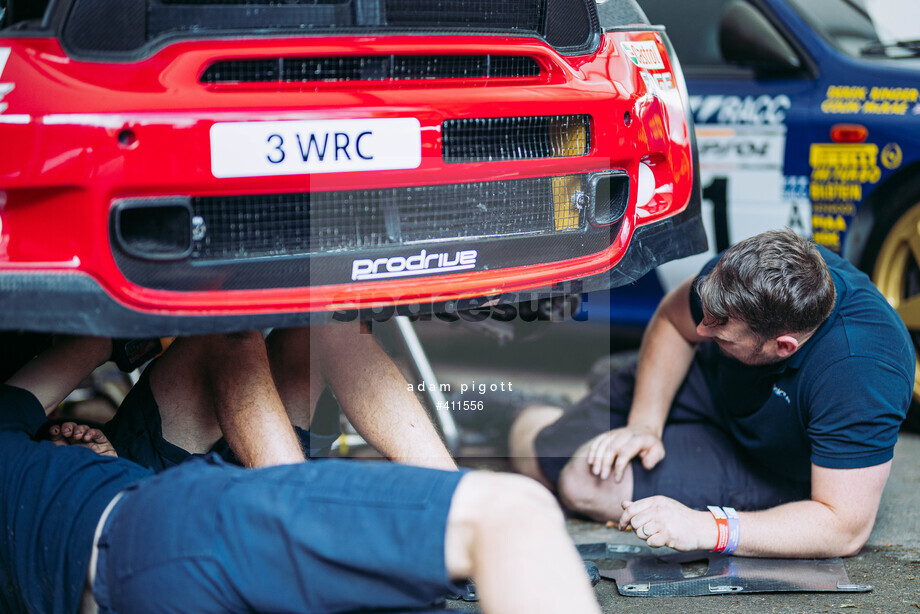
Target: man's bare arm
(665, 357)
(54, 373)
(836, 521)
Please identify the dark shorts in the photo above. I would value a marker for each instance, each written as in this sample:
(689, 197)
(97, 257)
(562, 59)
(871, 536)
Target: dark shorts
(136, 431)
(702, 466)
(328, 536)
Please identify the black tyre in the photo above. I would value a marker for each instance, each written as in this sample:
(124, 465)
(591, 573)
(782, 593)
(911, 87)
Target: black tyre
(892, 259)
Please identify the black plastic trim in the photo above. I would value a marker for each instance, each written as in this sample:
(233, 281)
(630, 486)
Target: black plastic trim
(593, 180)
(56, 18)
(635, 28)
(74, 303)
(119, 239)
(336, 268)
(158, 44)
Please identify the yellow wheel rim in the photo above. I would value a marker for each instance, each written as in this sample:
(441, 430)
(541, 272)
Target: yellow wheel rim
(897, 275)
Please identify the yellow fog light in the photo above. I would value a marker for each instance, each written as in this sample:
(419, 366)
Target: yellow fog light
(569, 201)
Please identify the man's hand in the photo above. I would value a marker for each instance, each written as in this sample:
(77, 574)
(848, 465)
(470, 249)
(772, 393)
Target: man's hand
(73, 434)
(614, 449)
(662, 521)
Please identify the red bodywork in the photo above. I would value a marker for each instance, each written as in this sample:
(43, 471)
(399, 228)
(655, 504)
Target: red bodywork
(77, 135)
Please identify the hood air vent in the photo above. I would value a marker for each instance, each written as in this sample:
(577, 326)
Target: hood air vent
(370, 68)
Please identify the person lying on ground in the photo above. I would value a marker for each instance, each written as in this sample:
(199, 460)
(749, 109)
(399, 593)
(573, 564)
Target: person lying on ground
(263, 401)
(775, 381)
(86, 532)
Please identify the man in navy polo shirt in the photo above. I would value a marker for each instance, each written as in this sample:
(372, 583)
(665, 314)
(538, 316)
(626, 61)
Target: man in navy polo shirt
(775, 381)
(86, 532)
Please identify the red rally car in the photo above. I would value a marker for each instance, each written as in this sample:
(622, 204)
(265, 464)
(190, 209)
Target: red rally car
(188, 166)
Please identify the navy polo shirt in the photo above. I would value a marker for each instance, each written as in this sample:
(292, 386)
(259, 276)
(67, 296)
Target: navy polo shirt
(51, 498)
(837, 402)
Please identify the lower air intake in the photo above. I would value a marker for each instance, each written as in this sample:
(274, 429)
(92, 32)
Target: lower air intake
(246, 227)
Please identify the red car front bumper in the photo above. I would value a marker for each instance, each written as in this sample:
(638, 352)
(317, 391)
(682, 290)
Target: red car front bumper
(133, 203)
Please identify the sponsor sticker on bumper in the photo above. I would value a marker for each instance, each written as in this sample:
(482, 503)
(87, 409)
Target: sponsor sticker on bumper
(422, 263)
(262, 149)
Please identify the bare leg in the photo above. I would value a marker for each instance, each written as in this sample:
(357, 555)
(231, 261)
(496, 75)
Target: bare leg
(583, 492)
(373, 393)
(296, 367)
(521, 438)
(217, 385)
(508, 534)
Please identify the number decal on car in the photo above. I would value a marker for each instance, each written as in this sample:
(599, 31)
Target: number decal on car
(257, 149)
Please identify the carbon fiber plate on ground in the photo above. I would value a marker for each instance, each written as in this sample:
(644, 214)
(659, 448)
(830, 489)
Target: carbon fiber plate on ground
(639, 572)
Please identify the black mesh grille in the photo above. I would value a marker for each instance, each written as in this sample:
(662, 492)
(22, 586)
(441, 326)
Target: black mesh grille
(372, 68)
(244, 227)
(513, 14)
(477, 210)
(515, 138)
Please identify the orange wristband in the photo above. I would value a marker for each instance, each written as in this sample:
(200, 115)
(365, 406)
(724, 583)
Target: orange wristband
(722, 523)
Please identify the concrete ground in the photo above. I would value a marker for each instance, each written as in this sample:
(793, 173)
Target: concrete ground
(890, 561)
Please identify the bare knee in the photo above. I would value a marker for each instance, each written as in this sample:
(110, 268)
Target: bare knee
(581, 491)
(492, 506)
(185, 377)
(497, 498)
(575, 490)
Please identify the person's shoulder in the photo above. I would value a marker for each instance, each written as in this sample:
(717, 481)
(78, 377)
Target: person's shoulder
(863, 313)
(20, 410)
(13, 397)
(863, 344)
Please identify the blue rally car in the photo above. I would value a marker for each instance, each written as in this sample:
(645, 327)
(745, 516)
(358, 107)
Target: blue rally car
(807, 115)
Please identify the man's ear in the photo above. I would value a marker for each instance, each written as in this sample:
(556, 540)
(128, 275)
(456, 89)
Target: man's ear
(786, 345)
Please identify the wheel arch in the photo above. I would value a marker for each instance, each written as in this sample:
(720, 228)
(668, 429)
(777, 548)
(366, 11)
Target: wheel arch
(884, 205)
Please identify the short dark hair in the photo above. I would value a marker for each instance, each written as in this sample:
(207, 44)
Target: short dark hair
(776, 282)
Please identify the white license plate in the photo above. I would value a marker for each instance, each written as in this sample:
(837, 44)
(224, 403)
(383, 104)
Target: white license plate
(260, 149)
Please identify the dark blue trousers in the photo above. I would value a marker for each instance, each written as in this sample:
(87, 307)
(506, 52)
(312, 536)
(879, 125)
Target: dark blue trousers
(323, 536)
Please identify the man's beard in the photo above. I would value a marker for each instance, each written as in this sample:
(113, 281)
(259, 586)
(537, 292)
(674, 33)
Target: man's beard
(754, 358)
